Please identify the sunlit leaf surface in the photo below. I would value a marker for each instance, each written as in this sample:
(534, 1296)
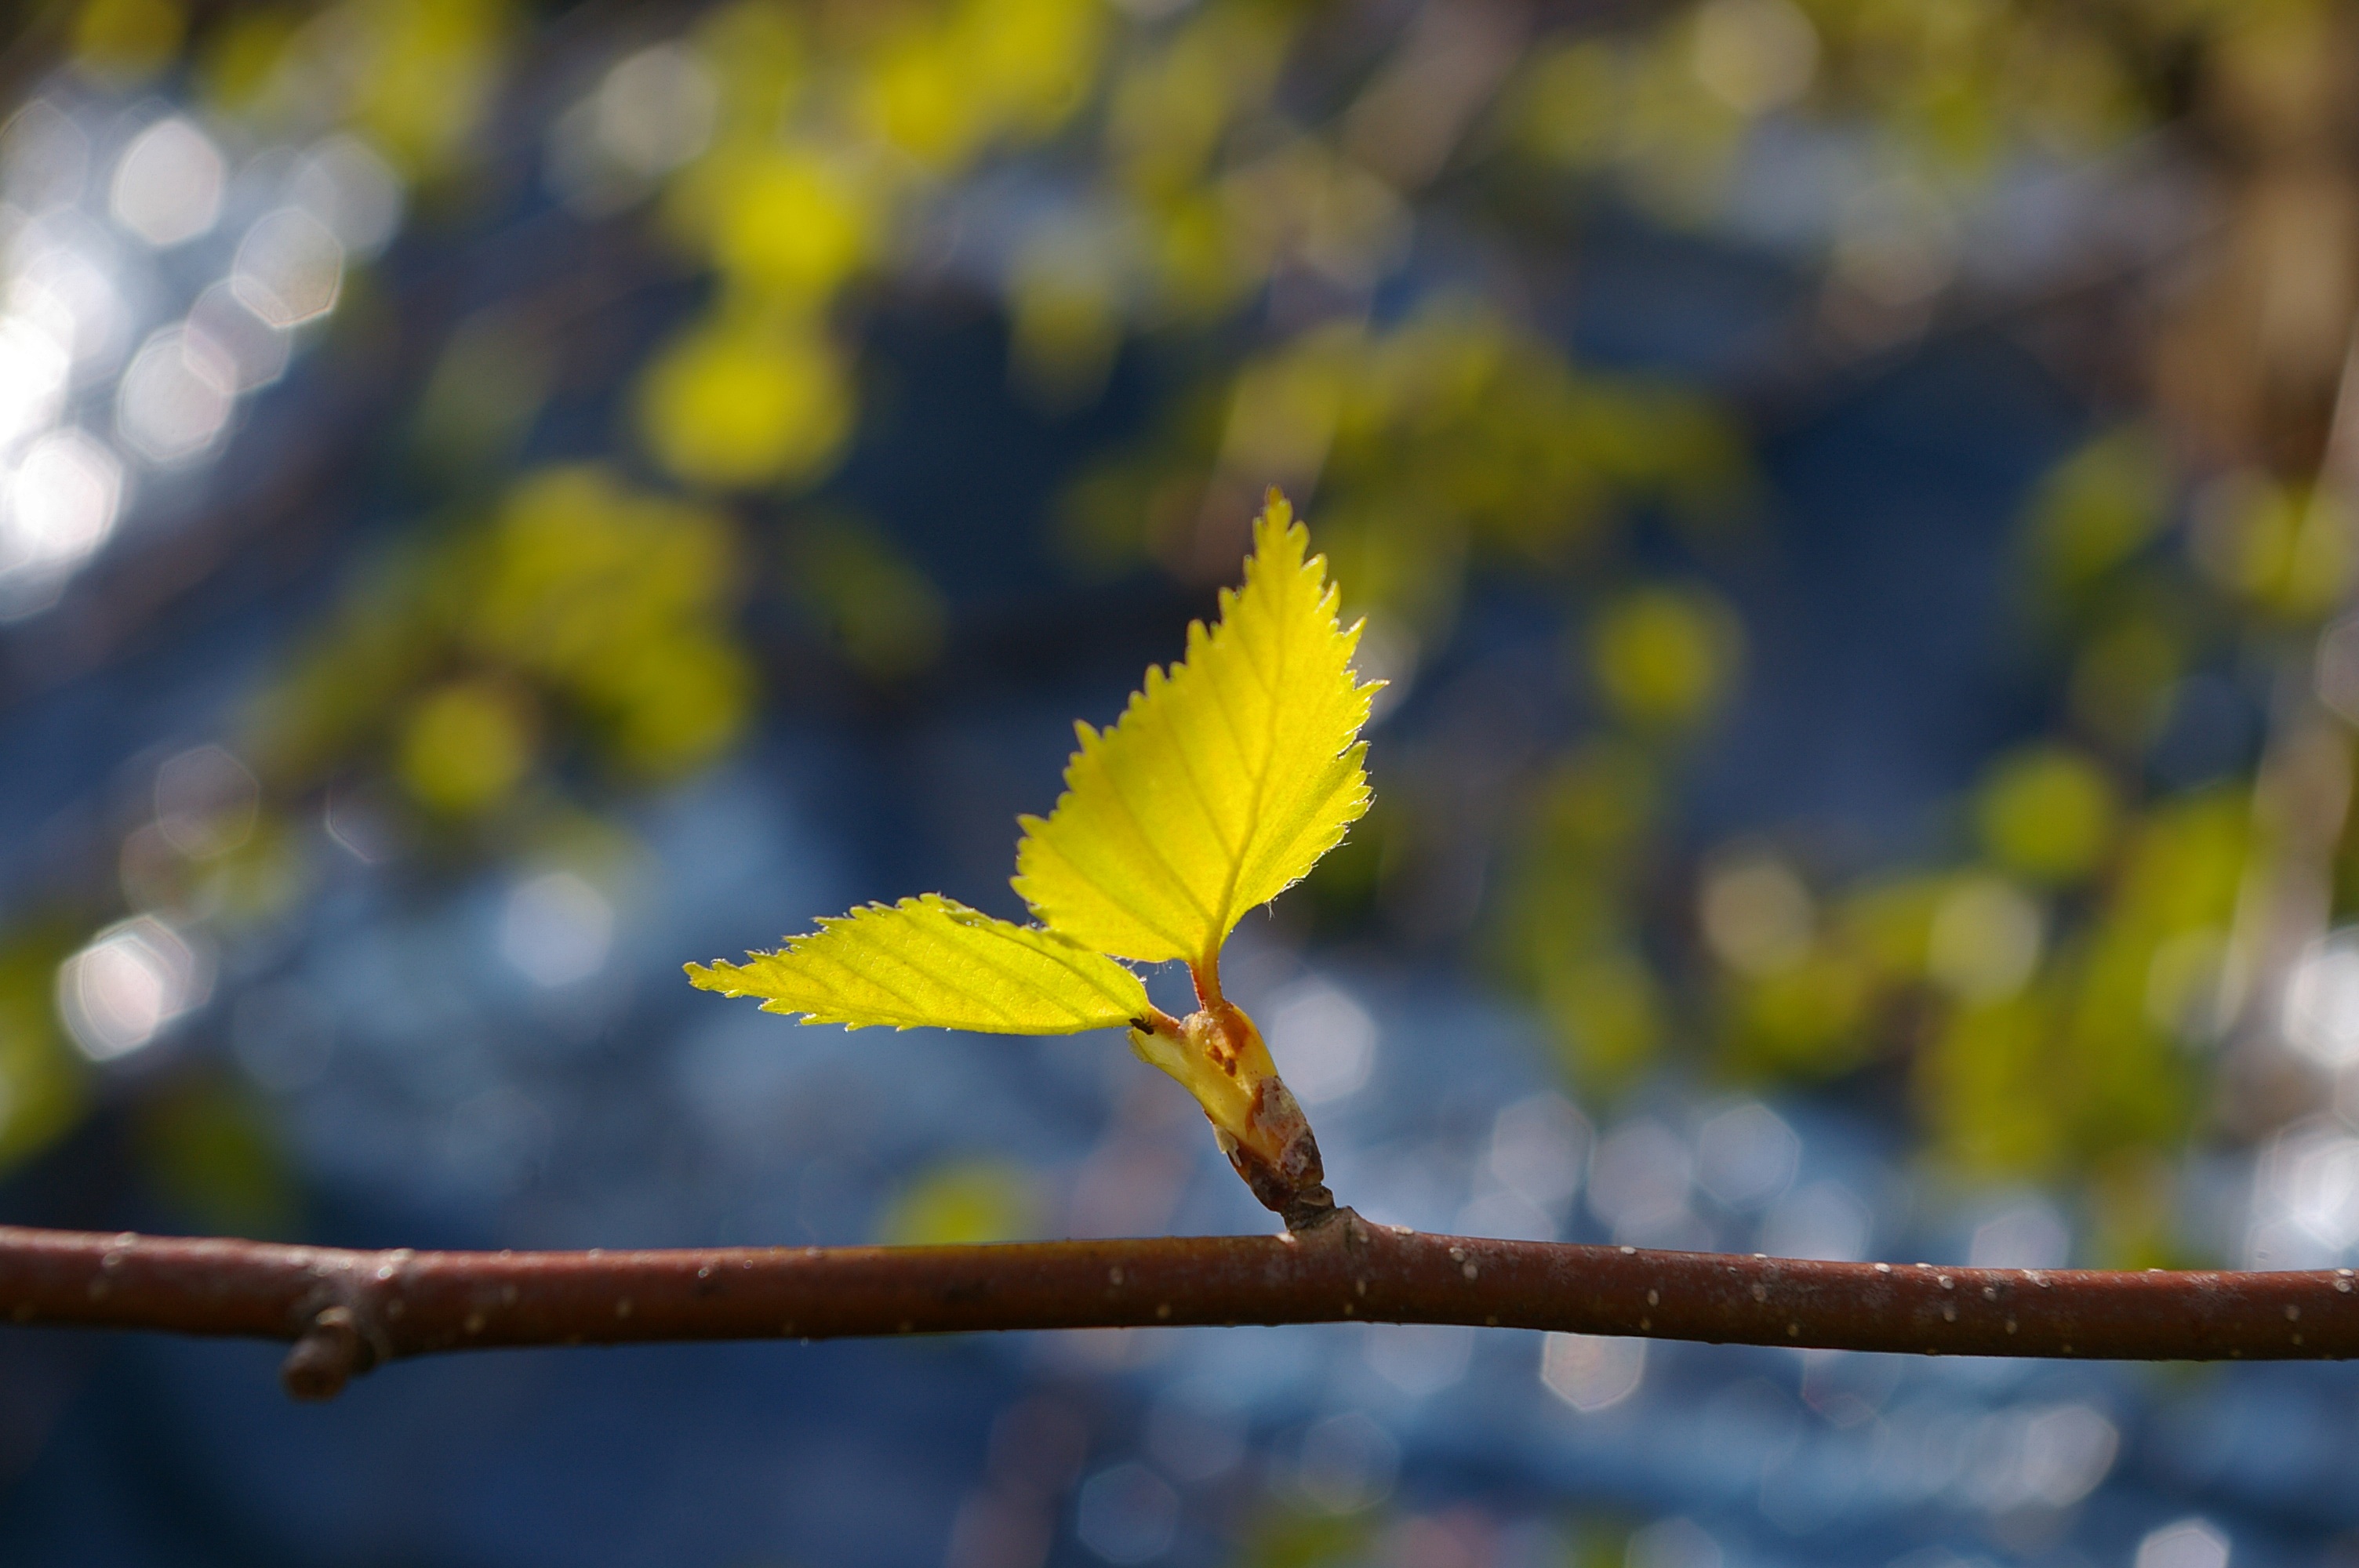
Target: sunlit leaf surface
(1225, 780)
(932, 962)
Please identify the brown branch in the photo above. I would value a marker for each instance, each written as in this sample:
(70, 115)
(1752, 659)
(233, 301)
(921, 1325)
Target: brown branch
(349, 1311)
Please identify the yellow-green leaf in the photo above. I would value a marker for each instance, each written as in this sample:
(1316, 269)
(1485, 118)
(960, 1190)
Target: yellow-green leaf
(1225, 780)
(933, 962)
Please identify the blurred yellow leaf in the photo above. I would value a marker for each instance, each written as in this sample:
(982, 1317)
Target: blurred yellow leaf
(738, 405)
(1808, 1021)
(963, 1204)
(758, 56)
(792, 225)
(209, 1149)
(1032, 60)
(2089, 1062)
(2286, 548)
(42, 1077)
(466, 746)
(918, 97)
(881, 610)
(583, 610)
(122, 41)
(1608, 1012)
(241, 56)
(420, 71)
(2046, 813)
(1067, 320)
(1663, 657)
(2122, 675)
(2099, 507)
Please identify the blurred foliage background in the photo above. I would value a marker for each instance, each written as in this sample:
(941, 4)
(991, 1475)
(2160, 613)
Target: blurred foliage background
(1856, 501)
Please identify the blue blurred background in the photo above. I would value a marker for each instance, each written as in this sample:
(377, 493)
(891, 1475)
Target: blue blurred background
(1855, 499)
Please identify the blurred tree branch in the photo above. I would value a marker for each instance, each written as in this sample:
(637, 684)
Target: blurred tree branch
(349, 1311)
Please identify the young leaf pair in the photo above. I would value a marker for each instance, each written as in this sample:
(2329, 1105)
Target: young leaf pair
(1222, 785)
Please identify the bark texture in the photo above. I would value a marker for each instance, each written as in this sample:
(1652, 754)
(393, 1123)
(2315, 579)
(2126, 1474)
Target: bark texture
(346, 1311)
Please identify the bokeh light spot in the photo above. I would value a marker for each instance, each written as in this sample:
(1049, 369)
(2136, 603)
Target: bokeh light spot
(2029, 1236)
(33, 369)
(44, 156)
(1538, 1146)
(556, 929)
(176, 396)
(352, 191)
(1675, 1543)
(65, 283)
(1746, 1155)
(657, 110)
(289, 268)
(60, 505)
(1127, 1514)
(167, 184)
(1757, 914)
(2190, 1544)
(1324, 1042)
(206, 802)
(2321, 1000)
(1986, 939)
(1420, 1359)
(1347, 1463)
(1754, 54)
(117, 994)
(1639, 1176)
(256, 350)
(1592, 1372)
(1824, 1220)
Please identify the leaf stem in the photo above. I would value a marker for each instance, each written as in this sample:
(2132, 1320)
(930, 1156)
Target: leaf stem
(1206, 974)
